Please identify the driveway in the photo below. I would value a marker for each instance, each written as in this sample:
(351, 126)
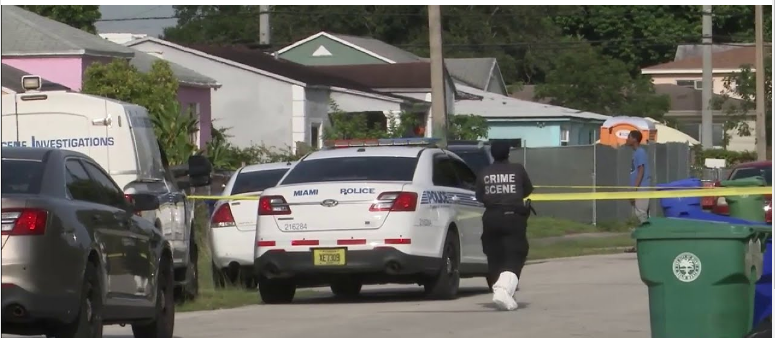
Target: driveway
(593, 296)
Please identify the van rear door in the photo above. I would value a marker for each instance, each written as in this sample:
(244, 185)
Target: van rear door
(9, 135)
(64, 120)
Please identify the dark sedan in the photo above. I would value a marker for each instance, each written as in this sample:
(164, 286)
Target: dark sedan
(75, 256)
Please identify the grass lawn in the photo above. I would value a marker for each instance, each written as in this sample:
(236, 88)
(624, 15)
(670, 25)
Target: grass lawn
(539, 227)
(581, 247)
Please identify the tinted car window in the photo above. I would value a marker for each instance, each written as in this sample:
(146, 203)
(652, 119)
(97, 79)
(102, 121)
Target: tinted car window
(466, 176)
(477, 159)
(106, 190)
(444, 173)
(367, 168)
(21, 176)
(765, 173)
(257, 180)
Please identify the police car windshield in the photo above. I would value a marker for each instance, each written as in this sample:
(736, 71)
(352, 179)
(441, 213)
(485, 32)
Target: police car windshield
(21, 176)
(476, 159)
(367, 168)
(257, 180)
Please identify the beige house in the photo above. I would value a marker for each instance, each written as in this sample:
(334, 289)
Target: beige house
(686, 71)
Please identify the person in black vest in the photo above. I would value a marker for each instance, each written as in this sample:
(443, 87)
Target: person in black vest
(502, 187)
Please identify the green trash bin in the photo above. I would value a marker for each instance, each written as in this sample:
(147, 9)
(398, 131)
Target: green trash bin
(748, 207)
(700, 276)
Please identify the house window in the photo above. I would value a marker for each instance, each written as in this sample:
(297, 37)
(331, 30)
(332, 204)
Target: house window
(564, 136)
(592, 138)
(696, 84)
(694, 130)
(314, 136)
(193, 112)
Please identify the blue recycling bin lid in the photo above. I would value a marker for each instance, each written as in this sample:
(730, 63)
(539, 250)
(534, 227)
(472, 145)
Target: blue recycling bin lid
(690, 182)
(677, 207)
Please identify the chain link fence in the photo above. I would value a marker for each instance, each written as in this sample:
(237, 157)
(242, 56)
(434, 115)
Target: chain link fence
(595, 166)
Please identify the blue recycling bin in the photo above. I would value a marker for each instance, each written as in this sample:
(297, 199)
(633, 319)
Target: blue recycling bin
(762, 302)
(763, 294)
(676, 207)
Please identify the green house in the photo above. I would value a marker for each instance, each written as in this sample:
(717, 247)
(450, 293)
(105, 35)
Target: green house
(328, 49)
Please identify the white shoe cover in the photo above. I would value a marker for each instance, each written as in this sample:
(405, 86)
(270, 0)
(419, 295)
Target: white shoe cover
(503, 290)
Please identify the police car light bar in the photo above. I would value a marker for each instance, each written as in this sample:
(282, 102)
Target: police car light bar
(385, 142)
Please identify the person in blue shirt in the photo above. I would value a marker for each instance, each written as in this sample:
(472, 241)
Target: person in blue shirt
(640, 174)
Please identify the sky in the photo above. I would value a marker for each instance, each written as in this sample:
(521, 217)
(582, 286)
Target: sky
(151, 27)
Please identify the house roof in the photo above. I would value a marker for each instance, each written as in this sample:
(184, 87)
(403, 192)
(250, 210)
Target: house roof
(28, 34)
(12, 79)
(379, 47)
(413, 75)
(503, 107)
(260, 60)
(475, 72)
(528, 93)
(472, 71)
(729, 60)
(144, 61)
(686, 98)
(692, 50)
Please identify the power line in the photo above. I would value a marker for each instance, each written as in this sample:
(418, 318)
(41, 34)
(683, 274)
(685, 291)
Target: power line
(350, 14)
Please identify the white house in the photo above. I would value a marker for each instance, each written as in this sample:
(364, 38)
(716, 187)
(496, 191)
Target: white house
(268, 101)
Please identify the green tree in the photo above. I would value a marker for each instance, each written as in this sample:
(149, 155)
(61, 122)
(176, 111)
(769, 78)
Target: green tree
(82, 17)
(742, 86)
(467, 127)
(584, 79)
(156, 91)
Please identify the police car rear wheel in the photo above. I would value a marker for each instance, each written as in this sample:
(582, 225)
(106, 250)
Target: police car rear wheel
(276, 291)
(446, 283)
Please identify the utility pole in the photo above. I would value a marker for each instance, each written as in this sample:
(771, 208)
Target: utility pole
(761, 125)
(263, 25)
(438, 109)
(706, 136)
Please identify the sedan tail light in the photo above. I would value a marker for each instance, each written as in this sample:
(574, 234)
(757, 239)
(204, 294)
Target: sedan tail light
(222, 217)
(273, 205)
(24, 222)
(395, 201)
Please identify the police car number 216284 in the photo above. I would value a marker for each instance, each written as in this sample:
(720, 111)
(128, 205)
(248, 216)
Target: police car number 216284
(294, 226)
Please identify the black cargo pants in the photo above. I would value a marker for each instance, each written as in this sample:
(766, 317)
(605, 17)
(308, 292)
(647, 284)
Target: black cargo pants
(504, 241)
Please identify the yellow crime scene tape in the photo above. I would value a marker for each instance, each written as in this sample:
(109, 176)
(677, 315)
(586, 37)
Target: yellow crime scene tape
(603, 187)
(588, 196)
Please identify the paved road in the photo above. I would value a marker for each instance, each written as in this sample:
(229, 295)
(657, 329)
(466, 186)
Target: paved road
(595, 297)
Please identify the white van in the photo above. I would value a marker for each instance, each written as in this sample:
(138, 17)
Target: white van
(120, 137)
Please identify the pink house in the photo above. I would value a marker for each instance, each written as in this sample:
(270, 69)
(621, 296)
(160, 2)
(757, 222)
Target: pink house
(61, 54)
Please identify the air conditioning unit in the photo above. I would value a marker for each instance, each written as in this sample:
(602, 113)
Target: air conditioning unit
(564, 136)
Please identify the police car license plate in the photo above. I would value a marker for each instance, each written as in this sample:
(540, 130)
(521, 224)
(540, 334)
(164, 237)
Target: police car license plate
(323, 257)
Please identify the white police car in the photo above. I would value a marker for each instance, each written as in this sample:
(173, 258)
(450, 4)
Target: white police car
(233, 223)
(370, 212)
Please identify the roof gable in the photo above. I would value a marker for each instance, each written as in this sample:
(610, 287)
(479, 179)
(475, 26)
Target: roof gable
(28, 34)
(372, 47)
